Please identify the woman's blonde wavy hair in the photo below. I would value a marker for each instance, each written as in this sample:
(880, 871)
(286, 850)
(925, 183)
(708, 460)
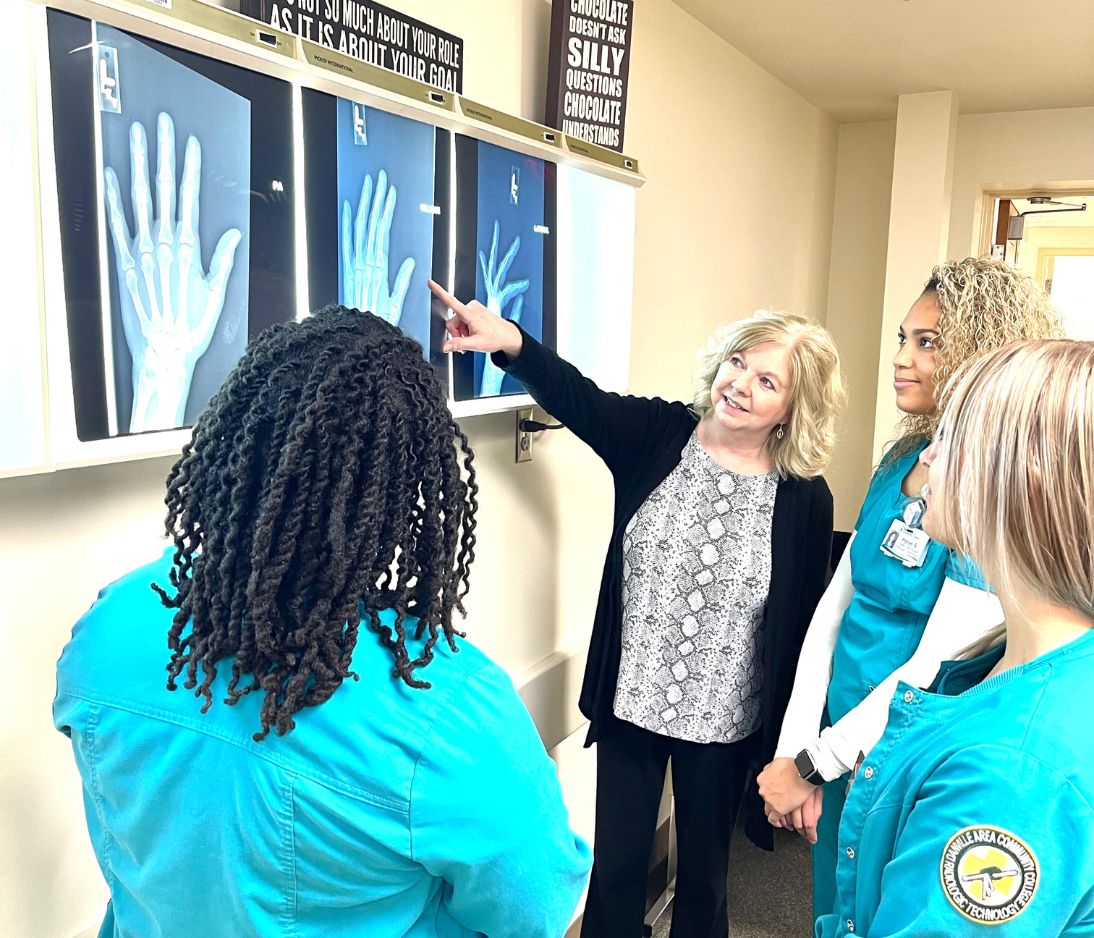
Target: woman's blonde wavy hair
(1017, 440)
(816, 385)
(985, 304)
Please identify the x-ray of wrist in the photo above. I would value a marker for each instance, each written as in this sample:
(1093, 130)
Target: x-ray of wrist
(500, 295)
(169, 305)
(365, 247)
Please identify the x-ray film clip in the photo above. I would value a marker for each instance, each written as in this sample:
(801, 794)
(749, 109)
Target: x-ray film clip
(110, 94)
(360, 128)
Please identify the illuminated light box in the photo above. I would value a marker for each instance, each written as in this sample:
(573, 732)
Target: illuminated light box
(174, 179)
(595, 274)
(188, 199)
(22, 377)
(505, 254)
(377, 189)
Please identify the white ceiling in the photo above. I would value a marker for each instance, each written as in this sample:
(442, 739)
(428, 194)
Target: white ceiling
(853, 58)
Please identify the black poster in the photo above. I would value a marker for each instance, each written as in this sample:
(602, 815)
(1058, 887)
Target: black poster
(370, 32)
(587, 70)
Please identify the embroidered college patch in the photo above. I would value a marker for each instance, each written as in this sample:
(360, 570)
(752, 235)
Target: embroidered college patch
(988, 874)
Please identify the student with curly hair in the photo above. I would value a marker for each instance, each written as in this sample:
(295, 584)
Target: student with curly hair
(404, 789)
(899, 602)
(719, 547)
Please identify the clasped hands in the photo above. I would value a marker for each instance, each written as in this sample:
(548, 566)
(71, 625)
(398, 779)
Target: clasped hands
(789, 800)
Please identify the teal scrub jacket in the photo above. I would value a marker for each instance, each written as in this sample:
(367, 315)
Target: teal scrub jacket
(974, 814)
(386, 812)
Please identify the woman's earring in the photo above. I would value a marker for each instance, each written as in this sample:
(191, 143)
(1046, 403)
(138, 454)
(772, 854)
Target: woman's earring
(779, 433)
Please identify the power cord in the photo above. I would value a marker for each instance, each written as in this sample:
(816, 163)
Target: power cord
(534, 426)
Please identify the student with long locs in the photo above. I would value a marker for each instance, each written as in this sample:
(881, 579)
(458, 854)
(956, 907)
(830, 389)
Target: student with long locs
(974, 813)
(899, 602)
(323, 519)
(720, 541)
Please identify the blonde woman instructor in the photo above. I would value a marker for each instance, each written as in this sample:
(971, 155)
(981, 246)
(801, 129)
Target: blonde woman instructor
(719, 547)
(974, 813)
(899, 602)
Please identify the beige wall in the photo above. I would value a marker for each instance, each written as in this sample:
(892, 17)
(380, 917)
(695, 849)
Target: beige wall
(919, 212)
(737, 211)
(736, 214)
(856, 291)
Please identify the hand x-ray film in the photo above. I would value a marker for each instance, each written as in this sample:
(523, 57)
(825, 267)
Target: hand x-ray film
(377, 194)
(505, 252)
(174, 180)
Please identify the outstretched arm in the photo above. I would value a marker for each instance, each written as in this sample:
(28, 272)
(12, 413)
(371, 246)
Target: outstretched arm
(616, 426)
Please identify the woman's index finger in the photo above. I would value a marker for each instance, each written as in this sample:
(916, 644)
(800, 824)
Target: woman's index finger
(447, 298)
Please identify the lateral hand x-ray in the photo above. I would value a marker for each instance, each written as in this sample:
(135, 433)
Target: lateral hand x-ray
(169, 305)
(505, 252)
(500, 294)
(365, 253)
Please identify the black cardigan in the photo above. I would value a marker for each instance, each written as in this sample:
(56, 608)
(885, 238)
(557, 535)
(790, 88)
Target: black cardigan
(640, 441)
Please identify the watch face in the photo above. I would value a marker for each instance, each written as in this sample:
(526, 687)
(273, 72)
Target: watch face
(803, 762)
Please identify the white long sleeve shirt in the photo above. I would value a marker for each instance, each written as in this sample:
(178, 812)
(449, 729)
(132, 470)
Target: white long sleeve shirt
(961, 615)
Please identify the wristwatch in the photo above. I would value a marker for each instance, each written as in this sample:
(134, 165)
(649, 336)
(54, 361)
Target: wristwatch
(807, 769)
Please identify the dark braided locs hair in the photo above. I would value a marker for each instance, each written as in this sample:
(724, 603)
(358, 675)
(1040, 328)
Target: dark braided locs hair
(321, 485)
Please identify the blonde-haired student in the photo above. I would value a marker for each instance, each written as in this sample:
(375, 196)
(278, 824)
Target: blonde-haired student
(976, 808)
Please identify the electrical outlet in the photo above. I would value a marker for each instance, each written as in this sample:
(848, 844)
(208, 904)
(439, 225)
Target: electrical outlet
(524, 438)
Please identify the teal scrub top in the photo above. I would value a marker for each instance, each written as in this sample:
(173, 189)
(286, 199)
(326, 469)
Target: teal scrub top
(389, 812)
(883, 624)
(974, 814)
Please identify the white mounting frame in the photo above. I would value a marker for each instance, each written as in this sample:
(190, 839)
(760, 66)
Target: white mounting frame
(285, 60)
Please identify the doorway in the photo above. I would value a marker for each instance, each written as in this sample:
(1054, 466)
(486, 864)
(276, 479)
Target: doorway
(1051, 238)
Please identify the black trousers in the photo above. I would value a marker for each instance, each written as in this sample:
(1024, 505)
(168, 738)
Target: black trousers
(707, 782)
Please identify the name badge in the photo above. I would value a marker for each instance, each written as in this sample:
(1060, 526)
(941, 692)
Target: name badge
(905, 543)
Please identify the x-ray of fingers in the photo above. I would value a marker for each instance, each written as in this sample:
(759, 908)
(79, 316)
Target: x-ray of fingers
(187, 164)
(377, 216)
(505, 251)
(175, 184)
